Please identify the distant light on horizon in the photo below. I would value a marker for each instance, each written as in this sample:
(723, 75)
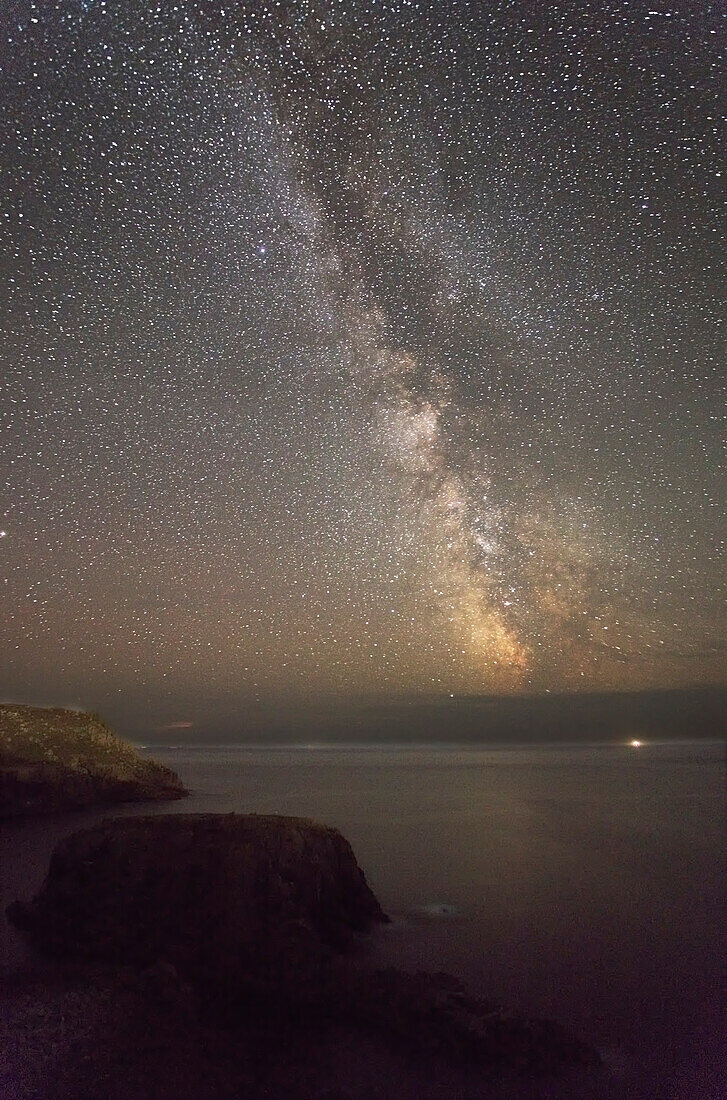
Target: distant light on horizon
(635, 744)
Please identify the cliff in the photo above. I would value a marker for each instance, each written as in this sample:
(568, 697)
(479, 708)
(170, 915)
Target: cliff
(240, 903)
(216, 955)
(53, 760)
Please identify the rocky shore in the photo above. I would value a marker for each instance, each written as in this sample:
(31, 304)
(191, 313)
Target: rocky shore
(53, 760)
(222, 956)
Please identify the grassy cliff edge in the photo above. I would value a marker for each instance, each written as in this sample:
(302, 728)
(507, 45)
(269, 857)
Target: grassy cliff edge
(54, 759)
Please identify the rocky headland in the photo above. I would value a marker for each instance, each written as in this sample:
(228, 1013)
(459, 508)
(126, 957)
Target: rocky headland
(221, 956)
(238, 903)
(53, 760)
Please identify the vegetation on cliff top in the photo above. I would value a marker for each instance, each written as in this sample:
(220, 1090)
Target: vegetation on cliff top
(40, 735)
(56, 759)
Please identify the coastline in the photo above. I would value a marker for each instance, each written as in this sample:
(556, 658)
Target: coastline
(223, 929)
(473, 831)
(53, 760)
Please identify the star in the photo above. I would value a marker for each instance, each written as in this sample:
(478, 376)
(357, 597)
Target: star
(359, 350)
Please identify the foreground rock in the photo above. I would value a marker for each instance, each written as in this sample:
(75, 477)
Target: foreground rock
(433, 1014)
(53, 760)
(243, 903)
(117, 1034)
(257, 915)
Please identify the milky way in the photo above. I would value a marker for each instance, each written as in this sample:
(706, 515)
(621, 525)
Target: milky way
(358, 349)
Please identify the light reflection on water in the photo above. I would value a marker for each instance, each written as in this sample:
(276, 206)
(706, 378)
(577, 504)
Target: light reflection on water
(581, 883)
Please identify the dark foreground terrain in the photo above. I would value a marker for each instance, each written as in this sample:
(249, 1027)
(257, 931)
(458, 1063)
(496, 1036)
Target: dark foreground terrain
(220, 956)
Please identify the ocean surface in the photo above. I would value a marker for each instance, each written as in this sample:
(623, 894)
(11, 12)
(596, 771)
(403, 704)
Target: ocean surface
(581, 883)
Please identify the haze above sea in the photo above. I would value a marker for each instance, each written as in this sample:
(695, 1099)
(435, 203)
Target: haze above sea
(581, 883)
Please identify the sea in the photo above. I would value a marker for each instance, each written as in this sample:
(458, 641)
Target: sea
(585, 884)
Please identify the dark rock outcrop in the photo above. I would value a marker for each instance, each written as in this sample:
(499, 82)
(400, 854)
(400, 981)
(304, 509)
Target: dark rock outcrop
(118, 1033)
(433, 1015)
(244, 903)
(52, 760)
(257, 914)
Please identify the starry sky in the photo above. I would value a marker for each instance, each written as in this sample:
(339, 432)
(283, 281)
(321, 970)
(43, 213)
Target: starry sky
(358, 350)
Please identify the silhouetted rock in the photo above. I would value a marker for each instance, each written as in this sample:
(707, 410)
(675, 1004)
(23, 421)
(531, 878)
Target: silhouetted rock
(79, 1033)
(53, 760)
(256, 914)
(241, 903)
(433, 1015)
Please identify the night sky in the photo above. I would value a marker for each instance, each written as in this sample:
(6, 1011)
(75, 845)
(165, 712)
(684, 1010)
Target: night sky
(358, 351)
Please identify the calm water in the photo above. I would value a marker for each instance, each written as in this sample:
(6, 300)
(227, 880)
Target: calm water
(586, 884)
